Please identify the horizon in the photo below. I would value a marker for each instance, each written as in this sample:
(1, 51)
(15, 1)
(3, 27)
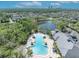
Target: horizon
(39, 4)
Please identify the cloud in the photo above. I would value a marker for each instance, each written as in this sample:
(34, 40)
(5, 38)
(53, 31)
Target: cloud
(68, 1)
(37, 3)
(19, 6)
(75, 1)
(55, 4)
(64, 1)
(29, 4)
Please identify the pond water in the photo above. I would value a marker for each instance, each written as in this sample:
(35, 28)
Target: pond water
(46, 26)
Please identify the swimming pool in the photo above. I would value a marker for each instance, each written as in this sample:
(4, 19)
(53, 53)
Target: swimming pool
(39, 47)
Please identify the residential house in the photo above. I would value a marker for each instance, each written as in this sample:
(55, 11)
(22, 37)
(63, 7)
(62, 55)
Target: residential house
(63, 41)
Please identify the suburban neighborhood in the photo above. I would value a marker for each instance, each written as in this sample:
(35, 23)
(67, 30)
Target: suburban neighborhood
(44, 32)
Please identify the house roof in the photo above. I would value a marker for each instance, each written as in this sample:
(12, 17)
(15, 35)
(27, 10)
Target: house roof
(73, 53)
(62, 43)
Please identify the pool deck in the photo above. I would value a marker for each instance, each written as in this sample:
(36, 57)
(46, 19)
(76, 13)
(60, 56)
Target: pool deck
(50, 50)
(40, 56)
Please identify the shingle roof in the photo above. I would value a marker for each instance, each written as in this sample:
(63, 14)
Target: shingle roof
(62, 43)
(73, 53)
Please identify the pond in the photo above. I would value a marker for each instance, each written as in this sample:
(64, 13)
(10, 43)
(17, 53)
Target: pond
(47, 26)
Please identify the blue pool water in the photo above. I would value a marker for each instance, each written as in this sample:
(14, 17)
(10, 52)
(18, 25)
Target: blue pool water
(39, 47)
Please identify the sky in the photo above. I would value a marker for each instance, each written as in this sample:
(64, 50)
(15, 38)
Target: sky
(40, 4)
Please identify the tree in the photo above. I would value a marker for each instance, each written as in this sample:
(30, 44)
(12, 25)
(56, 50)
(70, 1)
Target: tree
(13, 35)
